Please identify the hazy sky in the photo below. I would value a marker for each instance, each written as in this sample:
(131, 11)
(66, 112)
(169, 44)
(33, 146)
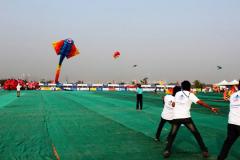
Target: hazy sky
(168, 40)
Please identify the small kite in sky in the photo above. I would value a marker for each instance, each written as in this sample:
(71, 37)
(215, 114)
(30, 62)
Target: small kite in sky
(135, 65)
(219, 67)
(116, 54)
(64, 48)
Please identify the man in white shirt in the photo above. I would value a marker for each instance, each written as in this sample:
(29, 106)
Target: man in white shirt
(167, 113)
(233, 129)
(181, 115)
(18, 89)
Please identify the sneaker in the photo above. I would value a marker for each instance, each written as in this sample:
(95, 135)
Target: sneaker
(205, 154)
(156, 139)
(166, 154)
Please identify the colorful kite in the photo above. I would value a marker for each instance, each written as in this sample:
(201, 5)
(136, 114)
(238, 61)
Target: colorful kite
(64, 48)
(116, 54)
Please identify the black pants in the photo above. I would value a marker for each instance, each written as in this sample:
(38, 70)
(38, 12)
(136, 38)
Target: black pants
(139, 101)
(233, 132)
(18, 93)
(176, 123)
(160, 127)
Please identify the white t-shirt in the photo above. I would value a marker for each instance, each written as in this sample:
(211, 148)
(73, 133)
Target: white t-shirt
(18, 87)
(234, 114)
(167, 112)
(183, 102)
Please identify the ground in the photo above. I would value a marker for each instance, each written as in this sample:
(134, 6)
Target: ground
(41, 125)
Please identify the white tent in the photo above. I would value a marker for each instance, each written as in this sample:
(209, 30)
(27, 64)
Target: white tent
(223, 83)
(226, 83)
(234, 82)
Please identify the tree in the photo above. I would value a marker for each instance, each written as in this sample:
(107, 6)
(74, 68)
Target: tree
(42, 80)
(198, 84)
(144, 80)
(122, 83)
(80, 82)
(49, 81)
(2, 81)
(133, 82)
(174, 83)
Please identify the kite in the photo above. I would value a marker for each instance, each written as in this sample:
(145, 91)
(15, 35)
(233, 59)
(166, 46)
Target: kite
(135, 65)
(116, 54)
(219, 67)
(64, 48)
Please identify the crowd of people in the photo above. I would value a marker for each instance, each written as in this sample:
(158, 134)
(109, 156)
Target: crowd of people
(11, 84)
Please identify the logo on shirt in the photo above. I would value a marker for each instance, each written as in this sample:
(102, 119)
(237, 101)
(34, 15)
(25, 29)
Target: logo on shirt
(182, 97)
(236, 98)
(235, 102)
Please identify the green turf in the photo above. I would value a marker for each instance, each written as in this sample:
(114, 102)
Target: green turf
(100, 126)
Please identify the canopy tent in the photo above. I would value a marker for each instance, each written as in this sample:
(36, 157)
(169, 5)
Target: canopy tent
(223, 83)
(226, 83)
(234, 82)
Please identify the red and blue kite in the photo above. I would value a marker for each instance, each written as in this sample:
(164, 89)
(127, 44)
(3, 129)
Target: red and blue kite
(64, 48)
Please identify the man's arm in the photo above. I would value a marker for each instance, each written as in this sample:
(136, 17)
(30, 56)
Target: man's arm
(207, 106)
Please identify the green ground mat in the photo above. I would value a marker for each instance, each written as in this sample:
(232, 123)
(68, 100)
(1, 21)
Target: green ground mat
(101, 126)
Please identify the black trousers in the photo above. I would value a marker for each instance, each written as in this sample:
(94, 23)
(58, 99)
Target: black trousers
(18, 93)
(233, 132)
(139, 101)
(176, 123)
(160, 127)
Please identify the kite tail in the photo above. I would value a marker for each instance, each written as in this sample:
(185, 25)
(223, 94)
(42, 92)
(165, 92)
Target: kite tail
(58, 70)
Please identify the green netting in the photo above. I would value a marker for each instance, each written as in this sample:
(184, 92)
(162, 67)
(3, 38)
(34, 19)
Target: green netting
(23, 132)
(100, 125)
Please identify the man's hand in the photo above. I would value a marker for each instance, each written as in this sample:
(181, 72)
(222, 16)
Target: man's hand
(215, 110)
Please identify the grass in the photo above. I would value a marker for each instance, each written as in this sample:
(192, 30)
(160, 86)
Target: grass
(101, 126)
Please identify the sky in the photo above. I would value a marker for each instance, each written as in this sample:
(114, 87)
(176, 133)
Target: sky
(169, 40)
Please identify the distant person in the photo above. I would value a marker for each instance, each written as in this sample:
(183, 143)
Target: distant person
(233, 128)
(167, 113)
(139, 97)
(18, 90)
(181, 115)
(226, 94)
